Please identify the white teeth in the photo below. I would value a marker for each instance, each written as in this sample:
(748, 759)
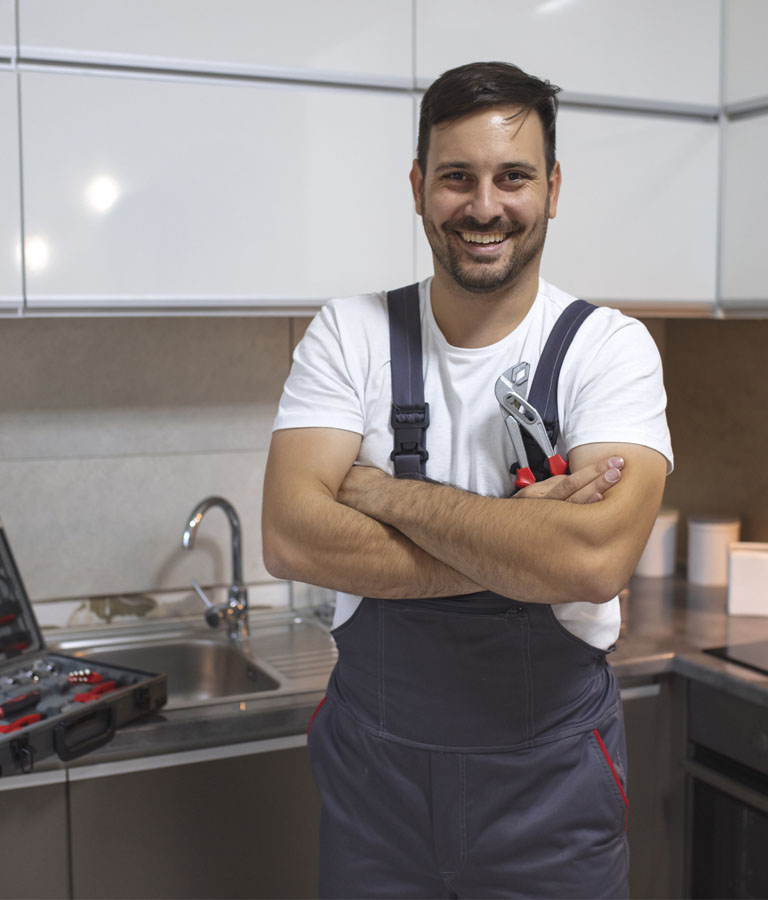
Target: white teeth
(473, 238)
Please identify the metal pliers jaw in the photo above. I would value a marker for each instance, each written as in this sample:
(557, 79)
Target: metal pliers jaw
(519, 414)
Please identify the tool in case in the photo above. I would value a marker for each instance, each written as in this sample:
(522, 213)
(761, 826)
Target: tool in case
(56, 704)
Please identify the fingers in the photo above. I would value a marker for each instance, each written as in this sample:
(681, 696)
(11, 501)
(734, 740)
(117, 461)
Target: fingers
(588, 484)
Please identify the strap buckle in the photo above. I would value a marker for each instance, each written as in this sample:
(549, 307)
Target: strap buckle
(409, 424)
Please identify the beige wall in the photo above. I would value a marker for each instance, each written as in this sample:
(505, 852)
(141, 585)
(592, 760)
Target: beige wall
(112, 429)
(716, 374)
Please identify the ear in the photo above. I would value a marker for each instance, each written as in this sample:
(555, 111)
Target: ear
(554, 182)
(417, 184)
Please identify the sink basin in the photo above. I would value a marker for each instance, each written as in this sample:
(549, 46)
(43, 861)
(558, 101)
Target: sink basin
(198, 670)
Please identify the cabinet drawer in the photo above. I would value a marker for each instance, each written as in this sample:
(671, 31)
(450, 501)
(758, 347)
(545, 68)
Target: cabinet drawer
(729, 725)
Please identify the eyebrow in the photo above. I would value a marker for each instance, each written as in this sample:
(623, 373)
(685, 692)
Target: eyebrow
(516, 164)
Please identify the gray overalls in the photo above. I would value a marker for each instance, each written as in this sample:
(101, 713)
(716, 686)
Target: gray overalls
(467, 747)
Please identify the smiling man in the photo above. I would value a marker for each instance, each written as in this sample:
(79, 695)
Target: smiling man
(471, 742)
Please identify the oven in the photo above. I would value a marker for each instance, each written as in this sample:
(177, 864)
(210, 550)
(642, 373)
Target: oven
(727, 768)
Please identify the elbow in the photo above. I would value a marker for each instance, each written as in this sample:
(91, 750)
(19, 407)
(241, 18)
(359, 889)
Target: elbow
(279, 557)
(600, 578)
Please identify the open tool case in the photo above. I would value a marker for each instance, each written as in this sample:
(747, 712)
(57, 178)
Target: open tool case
(56, 704)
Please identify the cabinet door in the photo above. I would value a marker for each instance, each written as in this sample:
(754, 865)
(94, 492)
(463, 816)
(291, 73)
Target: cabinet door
(637, 219)
(746, 63)
(336, 39)
(155, 192)
(33, 835)
(7, 28)
(651, 51)
(244, 826)
(10, 208)
(744, 260)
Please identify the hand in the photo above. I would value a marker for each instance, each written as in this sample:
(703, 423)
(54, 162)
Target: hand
(587, 485)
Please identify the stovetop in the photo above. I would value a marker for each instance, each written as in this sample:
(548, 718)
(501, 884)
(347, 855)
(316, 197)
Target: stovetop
(753, 656)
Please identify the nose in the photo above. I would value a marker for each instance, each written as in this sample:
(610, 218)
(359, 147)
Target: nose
(485, 202)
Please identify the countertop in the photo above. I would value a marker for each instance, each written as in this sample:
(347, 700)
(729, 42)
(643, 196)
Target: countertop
(666, 623)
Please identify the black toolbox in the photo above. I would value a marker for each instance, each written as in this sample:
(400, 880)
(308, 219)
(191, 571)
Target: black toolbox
(56, 704)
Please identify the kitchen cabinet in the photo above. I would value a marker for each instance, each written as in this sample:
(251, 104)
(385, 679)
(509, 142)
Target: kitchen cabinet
(33, 835)
(746, 64)
(223, 826)
(10, 207)
(636, 223)
(653, 720)
(339, 40)
(744, 278)
(149, 192)
(660, 51)
(7, 29)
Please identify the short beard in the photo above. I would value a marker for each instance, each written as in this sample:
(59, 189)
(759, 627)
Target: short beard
(482, 277)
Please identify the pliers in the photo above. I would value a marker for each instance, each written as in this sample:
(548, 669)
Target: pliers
(518, 413)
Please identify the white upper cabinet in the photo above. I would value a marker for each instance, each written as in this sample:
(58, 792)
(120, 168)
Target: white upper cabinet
(744, 280)
(654, 50)
(341, 40)
(746, 60)
(143, 192)
(7, 29)
(10, 209)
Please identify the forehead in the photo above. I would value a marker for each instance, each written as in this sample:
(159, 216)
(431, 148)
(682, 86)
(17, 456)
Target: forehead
(488, 136)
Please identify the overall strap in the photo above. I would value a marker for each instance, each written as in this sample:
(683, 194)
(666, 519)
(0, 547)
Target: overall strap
(410, 414)
(543, 393)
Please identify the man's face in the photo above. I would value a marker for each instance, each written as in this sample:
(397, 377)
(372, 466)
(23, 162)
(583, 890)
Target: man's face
(485, 197)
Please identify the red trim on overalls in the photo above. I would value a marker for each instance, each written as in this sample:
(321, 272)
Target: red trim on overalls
(317, 710)
(615, 774)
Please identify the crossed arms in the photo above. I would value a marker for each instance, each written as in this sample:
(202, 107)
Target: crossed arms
(358, 530)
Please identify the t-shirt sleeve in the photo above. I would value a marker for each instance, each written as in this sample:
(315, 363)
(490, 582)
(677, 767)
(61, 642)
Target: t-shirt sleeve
(320, 391)
(616, 392)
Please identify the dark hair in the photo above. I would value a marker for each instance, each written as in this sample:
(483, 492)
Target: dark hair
(479, 85)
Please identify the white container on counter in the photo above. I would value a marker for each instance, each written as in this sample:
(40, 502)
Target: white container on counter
(748, 579)
(709, 538)
(660, 555)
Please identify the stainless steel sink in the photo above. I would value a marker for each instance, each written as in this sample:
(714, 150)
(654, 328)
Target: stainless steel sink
(198, 670)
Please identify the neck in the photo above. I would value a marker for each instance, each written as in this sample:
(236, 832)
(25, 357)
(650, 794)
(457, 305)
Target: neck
(471, 320)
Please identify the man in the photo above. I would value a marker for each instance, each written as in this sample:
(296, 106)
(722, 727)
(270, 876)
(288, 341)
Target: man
(472, 741)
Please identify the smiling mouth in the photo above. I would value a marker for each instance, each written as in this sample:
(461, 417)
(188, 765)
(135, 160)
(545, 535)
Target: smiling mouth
(493, 237)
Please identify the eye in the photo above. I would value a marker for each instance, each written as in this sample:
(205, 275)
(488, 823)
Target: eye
(516, 176)
(454, 176)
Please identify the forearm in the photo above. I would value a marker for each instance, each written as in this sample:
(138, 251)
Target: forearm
(547, 551)
(504, 544)
(314, 539)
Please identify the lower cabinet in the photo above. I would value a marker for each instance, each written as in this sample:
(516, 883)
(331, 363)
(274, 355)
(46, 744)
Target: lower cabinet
(33, 837)
(654, 718)
(239, 826)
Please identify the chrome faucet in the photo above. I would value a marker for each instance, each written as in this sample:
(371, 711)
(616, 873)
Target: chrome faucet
(235, 610)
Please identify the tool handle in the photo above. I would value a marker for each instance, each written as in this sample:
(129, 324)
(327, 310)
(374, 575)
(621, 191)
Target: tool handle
(524, 478)
(558, 465)
(104, 688)
(9, 611)
(24, 701)
(20, 723)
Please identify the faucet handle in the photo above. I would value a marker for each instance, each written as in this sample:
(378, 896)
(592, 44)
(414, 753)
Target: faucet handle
(212, 614)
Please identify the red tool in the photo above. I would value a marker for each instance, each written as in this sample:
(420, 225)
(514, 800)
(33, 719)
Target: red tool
(9, 611)
(104, 688)
(14, 643)
(23, 701)
(20, 723)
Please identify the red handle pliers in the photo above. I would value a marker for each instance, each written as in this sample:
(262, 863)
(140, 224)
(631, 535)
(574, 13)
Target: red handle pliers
(518, 413)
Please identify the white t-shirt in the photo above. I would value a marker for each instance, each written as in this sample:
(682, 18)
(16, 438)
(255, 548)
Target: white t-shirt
(610, 390)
